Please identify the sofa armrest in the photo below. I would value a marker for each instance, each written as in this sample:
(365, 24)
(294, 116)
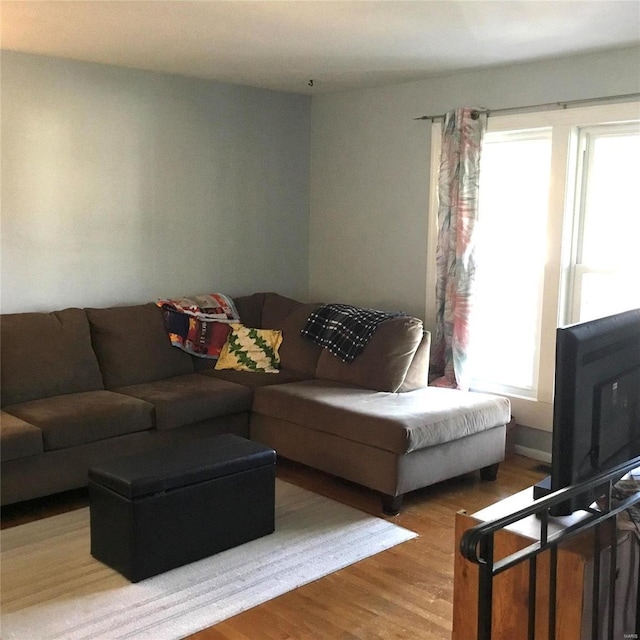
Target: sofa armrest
(418, 373)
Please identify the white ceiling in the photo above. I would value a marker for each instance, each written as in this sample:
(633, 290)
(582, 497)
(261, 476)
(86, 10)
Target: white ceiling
(340, 44)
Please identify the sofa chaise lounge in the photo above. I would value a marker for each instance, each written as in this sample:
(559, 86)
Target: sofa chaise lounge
(80, 386)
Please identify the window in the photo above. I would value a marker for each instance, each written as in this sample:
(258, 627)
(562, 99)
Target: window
(510, 257)
(605, 269)
(558, 235)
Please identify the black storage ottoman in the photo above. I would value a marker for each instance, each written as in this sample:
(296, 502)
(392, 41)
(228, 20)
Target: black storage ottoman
(160, 510)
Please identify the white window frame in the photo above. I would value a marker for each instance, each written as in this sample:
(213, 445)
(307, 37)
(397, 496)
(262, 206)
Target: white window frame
(577, 269)
(537, 412)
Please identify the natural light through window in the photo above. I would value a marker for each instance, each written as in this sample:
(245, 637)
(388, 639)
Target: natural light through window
(511, 244)
(606, 274)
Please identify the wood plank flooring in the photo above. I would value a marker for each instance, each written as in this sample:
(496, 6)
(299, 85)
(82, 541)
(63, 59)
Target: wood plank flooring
(403, 593)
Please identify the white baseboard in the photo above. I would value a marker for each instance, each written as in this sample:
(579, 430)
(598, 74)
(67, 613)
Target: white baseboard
(536, 454)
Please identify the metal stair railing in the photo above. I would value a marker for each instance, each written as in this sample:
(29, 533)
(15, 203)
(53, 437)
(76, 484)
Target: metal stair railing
(477, 545)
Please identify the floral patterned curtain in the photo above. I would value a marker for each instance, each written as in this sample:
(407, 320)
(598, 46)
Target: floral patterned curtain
(457, 214)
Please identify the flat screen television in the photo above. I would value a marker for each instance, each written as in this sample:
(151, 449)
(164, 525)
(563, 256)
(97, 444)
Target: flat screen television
(596, 408)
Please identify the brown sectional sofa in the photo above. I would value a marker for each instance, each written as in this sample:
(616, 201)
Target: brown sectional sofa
(80, 386)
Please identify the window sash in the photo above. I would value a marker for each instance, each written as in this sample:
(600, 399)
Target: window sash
(526, 388)
(579, 267)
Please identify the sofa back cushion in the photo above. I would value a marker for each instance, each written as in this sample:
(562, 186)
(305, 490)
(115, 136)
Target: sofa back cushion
(46, 354)
(250, 309)
(133, 347)
(297, 353)
(384, 362)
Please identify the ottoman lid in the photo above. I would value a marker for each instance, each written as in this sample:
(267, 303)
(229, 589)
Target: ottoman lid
(181, 466)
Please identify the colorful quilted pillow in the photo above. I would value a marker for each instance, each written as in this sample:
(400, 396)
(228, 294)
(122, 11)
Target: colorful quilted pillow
(251, 350)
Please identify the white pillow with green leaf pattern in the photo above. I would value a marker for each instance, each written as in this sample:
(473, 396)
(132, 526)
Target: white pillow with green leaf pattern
(248, 349)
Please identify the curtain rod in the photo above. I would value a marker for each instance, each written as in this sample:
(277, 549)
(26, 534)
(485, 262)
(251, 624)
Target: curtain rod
(537, 107)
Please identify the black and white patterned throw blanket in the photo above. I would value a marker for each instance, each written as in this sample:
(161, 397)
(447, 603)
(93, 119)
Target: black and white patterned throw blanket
(344, 330)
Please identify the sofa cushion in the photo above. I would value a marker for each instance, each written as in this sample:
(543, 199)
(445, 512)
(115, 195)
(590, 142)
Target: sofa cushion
(79, 418)
(133, 347)
(276, 308)
(397, 422)
(46, 354)
(18, 439)
(191, 398)
(290, 316)
(385, 360)
(249, 309)
(253, 379)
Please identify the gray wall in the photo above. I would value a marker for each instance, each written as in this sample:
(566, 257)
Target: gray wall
(121, 186)
(370, 168)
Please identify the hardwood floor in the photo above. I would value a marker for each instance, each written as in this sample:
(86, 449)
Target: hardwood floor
(403, 593)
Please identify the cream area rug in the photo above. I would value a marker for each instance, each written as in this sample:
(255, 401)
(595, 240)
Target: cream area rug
(53, 588)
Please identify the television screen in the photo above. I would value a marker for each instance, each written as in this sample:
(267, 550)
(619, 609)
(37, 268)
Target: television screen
(596, 415)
